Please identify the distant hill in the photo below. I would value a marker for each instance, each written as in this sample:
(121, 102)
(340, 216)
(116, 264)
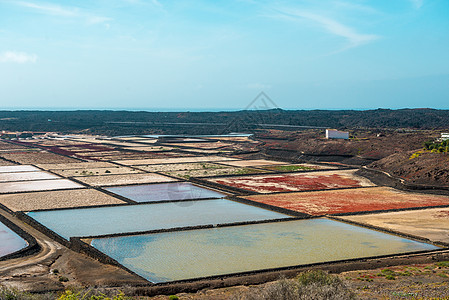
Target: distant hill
(127, 122)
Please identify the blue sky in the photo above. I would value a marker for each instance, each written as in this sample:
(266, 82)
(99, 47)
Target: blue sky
(178, 55)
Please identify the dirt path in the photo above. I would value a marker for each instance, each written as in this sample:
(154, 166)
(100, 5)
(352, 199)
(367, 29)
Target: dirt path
(54, 267)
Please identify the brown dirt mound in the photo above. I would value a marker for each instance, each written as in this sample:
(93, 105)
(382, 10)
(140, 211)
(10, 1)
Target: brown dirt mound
(427, 168)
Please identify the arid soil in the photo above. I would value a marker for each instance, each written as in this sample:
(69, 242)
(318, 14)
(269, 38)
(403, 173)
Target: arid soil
(77, 165)
(179, 167)
(253, 163)
(123, 179)
(5, 163)
(427, 168)
(187, 159)
(36, 157)
(56, 199)
(215, 172)
(96, 171)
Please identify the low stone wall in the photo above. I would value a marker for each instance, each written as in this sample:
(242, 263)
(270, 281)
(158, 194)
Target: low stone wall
(30, 221)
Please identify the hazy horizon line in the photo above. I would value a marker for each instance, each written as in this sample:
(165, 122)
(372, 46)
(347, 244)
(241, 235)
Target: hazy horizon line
(43, 109)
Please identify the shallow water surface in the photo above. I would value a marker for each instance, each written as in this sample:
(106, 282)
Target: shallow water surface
(26, 176)
(190, 254)
(144, 217)
(164, 191)
(38, 185)
(10, 242)
(19, 168)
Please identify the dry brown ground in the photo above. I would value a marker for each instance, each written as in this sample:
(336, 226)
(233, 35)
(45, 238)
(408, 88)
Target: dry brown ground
(77, 165)
(188, 159)
(5, 163)
(10, 146)
(37, 157)
(253, 163)
(96, 171)
(124, 179)
(216, 172)
(56, 199)
(427, 168)
(178, 167)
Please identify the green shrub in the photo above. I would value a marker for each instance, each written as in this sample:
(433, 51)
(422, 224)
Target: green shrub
(15, 294)
(71, 295)
(317, 276)
(437, 147)
(173, 297)
(444, 264)
(309, 285)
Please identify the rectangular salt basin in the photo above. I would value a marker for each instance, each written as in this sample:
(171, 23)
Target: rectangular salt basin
(145, 217)
(170, 256)
(164, 191)
(26, 176)
(10, 241)
(21, 168)
(38, 185)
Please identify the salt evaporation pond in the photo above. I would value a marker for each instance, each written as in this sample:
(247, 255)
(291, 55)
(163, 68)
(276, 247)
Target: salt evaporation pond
(10, 241)
(26, 176)
(38, 185)
(144, 217)
(199, 253)
(164, 191)
(20, 168)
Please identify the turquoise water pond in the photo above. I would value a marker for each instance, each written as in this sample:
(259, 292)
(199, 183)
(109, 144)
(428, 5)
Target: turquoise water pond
(134, 218)
(170, 256)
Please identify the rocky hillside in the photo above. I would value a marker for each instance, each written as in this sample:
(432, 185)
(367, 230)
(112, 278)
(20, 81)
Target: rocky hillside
(426, 168)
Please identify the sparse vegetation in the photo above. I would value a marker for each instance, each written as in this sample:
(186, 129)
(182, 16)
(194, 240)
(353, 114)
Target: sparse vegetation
(69, 294)
(15, 294)
(291, 168)
(432, 147)
(444, 264)
(86, 173)
(90, 295)
(315, 284)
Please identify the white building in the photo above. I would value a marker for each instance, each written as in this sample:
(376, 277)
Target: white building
(444, 136)
(336, 134)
